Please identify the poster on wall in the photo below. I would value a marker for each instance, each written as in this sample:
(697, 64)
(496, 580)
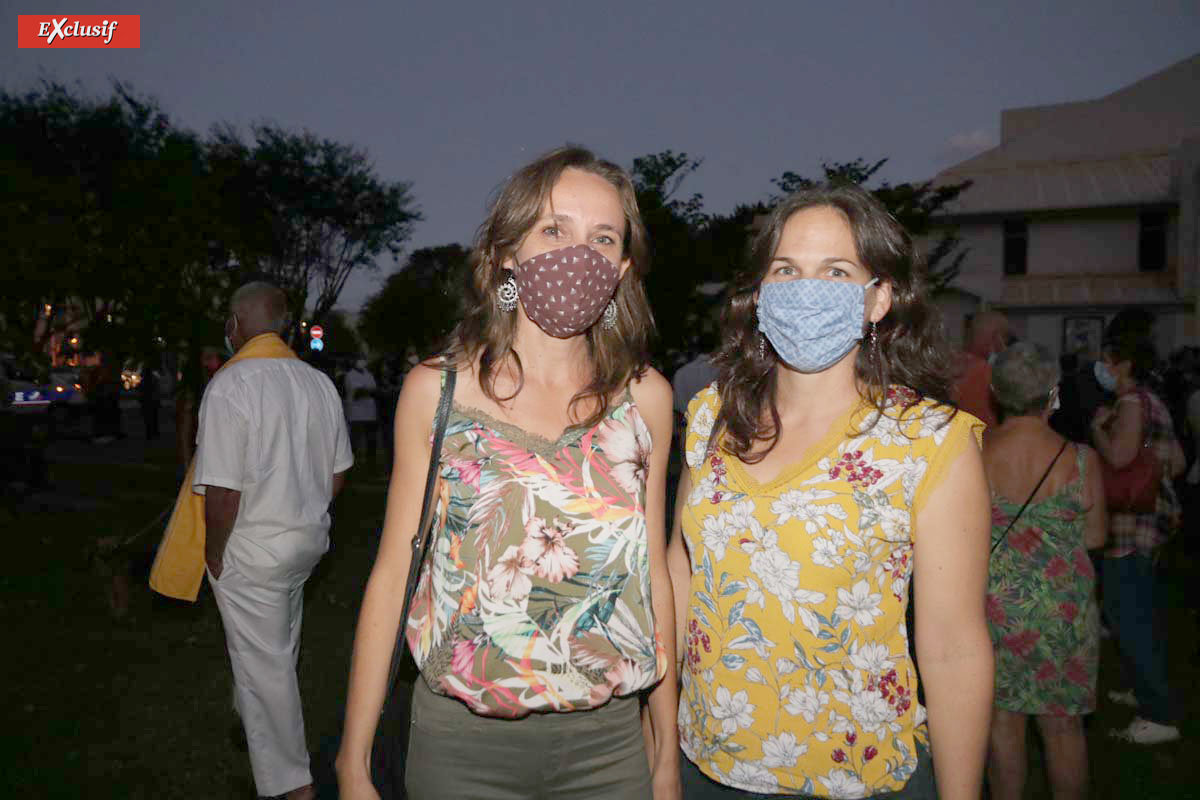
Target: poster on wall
(1083, 336)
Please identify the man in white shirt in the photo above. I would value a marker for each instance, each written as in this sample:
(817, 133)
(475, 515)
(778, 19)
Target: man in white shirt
(271, 455)
(360, 409)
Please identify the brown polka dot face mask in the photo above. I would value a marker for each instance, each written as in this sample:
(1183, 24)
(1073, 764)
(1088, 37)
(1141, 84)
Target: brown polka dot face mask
(564, 291)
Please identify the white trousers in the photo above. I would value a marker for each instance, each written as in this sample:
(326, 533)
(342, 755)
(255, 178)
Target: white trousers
(262, 632)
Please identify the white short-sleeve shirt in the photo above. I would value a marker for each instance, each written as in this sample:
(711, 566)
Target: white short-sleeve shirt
(273, 429)
(360, 409)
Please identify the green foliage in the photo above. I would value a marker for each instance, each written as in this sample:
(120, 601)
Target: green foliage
(321, 212)
(417, 306)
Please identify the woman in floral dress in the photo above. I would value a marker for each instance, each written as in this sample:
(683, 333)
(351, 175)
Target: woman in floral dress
(544, 606)
(1041, 603)
(825, 469)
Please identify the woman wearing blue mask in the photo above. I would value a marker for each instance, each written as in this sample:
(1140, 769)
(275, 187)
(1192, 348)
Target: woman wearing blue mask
(1128, 580)
(826, 469)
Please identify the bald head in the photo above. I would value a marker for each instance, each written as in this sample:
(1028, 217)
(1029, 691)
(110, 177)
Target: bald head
(987, 333)
(257, 308)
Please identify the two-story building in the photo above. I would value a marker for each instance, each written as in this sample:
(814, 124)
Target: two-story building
(1085, 208)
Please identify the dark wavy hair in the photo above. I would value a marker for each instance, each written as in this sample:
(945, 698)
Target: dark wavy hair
(1129, 336)
(619, 354)
(910, 348)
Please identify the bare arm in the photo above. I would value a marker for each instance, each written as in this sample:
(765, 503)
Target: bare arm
(953, 647)
(339, 483)
(679, 565)
(1095, 526)
(379, 619)
(220, 512)
(653, 396)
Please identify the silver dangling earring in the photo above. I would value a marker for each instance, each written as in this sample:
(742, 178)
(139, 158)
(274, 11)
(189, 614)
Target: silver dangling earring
(608, 320)
(762, 346)
(874, 338)
(506, 295)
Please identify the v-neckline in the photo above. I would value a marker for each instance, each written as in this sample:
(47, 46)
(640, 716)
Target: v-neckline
(526, 439)
(812, 456)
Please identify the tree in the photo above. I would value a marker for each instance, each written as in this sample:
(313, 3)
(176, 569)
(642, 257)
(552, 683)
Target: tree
(417, 306)
(322, 214)
(915, 205)
(104, 212)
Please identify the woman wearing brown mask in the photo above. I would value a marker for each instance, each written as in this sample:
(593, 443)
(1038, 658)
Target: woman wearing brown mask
(544, 605)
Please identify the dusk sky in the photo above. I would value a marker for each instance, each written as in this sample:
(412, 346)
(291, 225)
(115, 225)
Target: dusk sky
(453, 96)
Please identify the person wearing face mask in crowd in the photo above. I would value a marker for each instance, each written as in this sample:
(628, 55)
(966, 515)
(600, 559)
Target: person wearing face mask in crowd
(987, 334)
(1047, 511)
(361, 411)
(825, 469)
(544, 606)
(1129, 577)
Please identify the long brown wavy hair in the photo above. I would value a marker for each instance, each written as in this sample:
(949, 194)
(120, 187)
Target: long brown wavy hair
(910, 348)
(618, 355)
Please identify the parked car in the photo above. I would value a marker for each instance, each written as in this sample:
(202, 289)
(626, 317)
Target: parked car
(23, 394)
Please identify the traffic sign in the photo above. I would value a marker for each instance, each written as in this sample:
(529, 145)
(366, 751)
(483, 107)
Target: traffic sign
(316, 344)
(316, 331)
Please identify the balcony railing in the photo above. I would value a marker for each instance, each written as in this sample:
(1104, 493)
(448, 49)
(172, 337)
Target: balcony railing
(1092, 289)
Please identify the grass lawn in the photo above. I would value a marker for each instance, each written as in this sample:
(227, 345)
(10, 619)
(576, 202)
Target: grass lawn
(141, 707)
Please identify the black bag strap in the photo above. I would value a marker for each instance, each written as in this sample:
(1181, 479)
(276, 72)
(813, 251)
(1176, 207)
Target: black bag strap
(420, 544)
(1029, 499)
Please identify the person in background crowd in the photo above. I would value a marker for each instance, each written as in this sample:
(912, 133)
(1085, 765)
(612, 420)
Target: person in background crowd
(271, 455)
(197, 373)
(385, 403)
(987, 334)
(826, 469)
(150, 398)
(695, 374)
(545, 605)
(1041, 603)
(1129, 579)
(1079, 397)
(361, 410)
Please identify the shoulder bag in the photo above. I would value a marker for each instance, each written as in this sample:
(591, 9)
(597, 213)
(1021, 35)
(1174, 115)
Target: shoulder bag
(1134, 487)
(391, 737)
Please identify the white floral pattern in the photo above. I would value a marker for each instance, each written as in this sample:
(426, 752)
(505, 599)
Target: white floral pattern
(797, 674)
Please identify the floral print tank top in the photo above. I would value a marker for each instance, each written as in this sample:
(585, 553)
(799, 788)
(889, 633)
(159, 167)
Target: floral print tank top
(797, 676)
(535, 594)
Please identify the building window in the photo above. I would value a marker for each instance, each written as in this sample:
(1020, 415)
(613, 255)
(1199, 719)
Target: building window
(1016, 246)
(1152, 241)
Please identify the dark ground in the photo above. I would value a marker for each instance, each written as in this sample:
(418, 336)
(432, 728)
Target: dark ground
(140, 707)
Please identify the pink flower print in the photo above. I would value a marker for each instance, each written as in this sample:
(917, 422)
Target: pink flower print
(839, 755)
(464, 657)
(1021, 644)
(1026, 541)
(1068, 611)
(1047, 672)
(1076, 672)
(858, 472)
(509, 577)
(546, 551)
(468, 470)
(626, 445)
(1083, 565)
(1056, 568)
(870, 752)
(851, 738)
(995, 610)
(998, 516)
(716, 498)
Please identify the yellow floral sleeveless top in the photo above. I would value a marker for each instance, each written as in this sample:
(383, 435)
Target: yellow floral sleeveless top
(797, 675)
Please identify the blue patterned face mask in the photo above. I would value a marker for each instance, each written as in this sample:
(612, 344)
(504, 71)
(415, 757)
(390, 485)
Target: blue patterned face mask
(812, 323)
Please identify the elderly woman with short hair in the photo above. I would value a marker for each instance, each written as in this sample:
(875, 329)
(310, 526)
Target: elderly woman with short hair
(1047, 512)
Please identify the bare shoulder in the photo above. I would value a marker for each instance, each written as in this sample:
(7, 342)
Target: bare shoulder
(419, 394)
(651, 389)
